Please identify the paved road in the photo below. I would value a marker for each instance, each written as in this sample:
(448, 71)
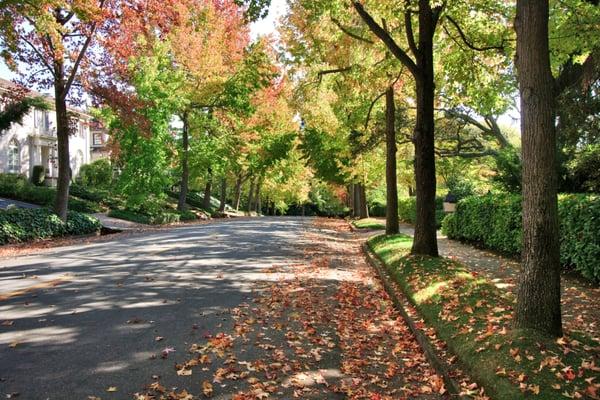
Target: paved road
(5, 203)
(95, 313)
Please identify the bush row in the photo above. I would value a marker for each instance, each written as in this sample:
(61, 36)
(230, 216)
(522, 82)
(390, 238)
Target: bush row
(22, 225)
(165, 217)
(494, 222)
(407, 210)
(17, 187)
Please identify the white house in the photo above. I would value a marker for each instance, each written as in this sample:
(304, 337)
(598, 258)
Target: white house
(34, 141)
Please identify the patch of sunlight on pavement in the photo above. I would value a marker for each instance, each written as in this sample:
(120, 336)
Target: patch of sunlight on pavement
(311, 378)
(111, 366)
(14, 311)
(41, 336)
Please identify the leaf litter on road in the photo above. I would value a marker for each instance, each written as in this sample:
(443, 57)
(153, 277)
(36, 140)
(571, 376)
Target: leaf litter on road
(321, 329)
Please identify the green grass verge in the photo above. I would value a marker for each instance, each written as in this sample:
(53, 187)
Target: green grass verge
(368, 223)
(473, 317)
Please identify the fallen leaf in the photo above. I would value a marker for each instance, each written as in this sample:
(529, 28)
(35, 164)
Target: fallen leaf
(207, 389)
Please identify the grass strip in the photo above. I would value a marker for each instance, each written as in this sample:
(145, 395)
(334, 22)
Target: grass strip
(368, 223)
(473, 316)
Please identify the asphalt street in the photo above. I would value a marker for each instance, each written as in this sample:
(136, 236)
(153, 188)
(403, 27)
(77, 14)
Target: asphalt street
(77, 321)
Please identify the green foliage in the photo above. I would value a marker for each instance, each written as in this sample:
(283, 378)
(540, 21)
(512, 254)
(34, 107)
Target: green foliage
(98, 174)
(22, 225)
(460, 187)
(495, 222)
(508, 170)
(325, 154)
(38, 175)
(584, 170)
(377, 209)
(14, 112)
(17, 187)
(157, 218)
(407, 210)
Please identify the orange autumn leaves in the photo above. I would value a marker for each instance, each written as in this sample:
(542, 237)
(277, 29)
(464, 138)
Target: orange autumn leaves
(320, 328)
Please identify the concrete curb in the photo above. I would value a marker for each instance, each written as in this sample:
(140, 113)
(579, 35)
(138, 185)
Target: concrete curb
(441, 367)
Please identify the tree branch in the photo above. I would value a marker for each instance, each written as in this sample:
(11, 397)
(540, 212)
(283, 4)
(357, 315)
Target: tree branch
(410, 36)
(371, 109)
(466, 40)
(350, 33)
(386, 39)
(80, 56)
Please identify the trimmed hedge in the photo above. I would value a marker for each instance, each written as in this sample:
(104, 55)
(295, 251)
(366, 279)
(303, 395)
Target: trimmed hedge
(494, 222)
(17, 187)
(22, 225)
(165, 217)
(407, 210)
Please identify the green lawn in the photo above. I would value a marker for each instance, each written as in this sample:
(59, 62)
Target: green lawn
(474, 317)
(368, 223)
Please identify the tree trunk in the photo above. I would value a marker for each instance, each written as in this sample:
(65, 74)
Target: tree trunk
(391, 214)
(223, 197)
(238, 191)
(185, 169)
(250, 197)
(425, 241)
(363, 208)
(257, 196)
(207, 191)
(61, 204)
(538, 293)
(356, 198)
(351, 204)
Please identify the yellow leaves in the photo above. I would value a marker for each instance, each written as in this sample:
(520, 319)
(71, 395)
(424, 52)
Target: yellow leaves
(14, 344)
(111, 389)
(207, 389)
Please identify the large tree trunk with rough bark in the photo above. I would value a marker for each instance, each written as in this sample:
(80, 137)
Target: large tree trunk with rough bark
(185, 169)
(238, 191)
(538, 293)
(425, 241)
(391, 214)
(363, 209)
(62, 133)
(223, 197)
(207, 191)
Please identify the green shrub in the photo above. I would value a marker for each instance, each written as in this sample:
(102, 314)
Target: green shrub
(22, 225)
(163, 217)
(584, 171)
(17, 187)
(97, 174)
(38, 175)
(407, 210)
(187, 215)
(377, 209)
(494, 222)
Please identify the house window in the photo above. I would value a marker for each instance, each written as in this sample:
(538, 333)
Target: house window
(81, 129)
(97, 139)
(41, 120)
(14, 156)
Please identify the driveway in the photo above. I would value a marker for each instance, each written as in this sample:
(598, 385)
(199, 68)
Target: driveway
(79, 320)
(5, 203)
